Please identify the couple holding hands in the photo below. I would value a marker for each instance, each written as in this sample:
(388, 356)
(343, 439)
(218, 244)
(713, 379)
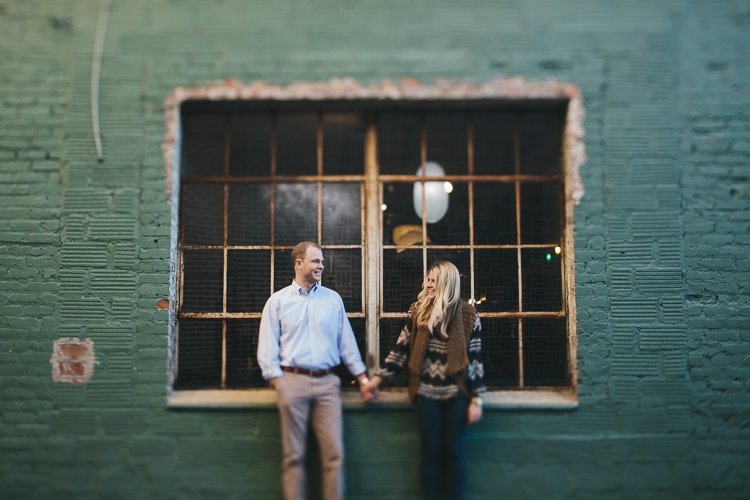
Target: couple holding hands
(304, 334)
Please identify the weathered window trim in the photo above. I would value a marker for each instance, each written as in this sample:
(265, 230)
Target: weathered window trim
(512, 89)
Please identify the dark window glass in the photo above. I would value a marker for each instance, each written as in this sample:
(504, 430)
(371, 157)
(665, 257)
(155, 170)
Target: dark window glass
(541, 270)
(202, 281)
(250, 146)
(500, 352)
(248, 280)
(495, 214)
(453, 227)
(402, 279)
(494, 150)
(447, 143)
(401, 223)
(360, 335)
(203, 214)
(199, 362)
(242, 349)
(540, 134)
(544, 352)
(540, 213)
(399, 149)
(341, 213)
(205, 143)
(249, 215)
(297, 144)
(343, 144)
(343, 273)
(296, 212)
(283, 269)
(496, 280)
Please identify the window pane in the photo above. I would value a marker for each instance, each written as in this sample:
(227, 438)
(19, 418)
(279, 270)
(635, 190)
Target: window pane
(494, 144)
(343, 144)
(343, 273)
(541, 141)
(399, 149)
(500, 352)
(297, 144)
(401, 224)
(203, 214)
(496, 280)
(540, 213)
(447, 142)
(360, 335)
(296, 207)
(242, 349)
(544, 352)
(495, 214)
(203, 280)
(390, 329)
(249, 215)
(541, 272)
(199, 354)
(453, 227)
(402, 279)
(205, 139)
(460, 258)
(248, 280)
(283, 269)
(342, 213)
(250, 146)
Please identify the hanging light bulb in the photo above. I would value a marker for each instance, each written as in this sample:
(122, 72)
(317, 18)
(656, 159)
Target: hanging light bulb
(436, 194)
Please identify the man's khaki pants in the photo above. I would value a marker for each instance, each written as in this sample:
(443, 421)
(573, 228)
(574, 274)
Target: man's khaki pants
(317, 399)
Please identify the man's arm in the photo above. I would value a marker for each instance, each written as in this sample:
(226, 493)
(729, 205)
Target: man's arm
(348, 349)
(268, 342)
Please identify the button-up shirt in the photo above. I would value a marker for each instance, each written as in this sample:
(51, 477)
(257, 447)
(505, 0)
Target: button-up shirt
(306, 330)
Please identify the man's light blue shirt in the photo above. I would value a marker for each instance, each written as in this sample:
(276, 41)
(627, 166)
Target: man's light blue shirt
(304, 330)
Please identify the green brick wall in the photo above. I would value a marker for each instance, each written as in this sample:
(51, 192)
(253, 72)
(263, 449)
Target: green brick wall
(662, 243)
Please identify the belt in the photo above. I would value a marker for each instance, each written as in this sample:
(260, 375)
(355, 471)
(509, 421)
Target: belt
(305, 371)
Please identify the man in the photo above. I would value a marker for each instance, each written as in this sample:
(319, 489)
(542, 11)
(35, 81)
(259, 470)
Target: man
(304, 333)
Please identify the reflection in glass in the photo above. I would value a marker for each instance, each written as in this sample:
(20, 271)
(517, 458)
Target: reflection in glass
(296, 213)
(494, 150)
(343, 144)
(342, 213)
(496, 280)
(204, 144)
(199, 355)
(500, 352)
(544, 352)
(297, 144)
(447, 141)
(203, 281)
(540, 213)
(461, 258)
(249, 215)
(541, 133)
(203, 214)
(242, 348)
(541, 272)
(248, 280)
(250, 146)
(495, 214)
(403, 277)
(399, 142)
(343, 273)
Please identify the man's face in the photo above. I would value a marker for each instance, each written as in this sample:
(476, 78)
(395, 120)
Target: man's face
(310, 270)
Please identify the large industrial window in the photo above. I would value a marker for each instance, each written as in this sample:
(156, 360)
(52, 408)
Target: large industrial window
(385, 191)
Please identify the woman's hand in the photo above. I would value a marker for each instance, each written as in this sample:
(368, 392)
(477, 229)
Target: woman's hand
(474, 414)
(370, 391)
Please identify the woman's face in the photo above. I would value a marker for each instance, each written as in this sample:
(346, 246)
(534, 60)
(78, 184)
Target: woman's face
(431, 285)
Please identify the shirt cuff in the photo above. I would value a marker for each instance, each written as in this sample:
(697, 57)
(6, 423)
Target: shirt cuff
(274, 372)
(357, 368)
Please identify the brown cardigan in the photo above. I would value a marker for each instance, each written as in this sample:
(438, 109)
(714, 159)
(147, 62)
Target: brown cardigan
(459, 337)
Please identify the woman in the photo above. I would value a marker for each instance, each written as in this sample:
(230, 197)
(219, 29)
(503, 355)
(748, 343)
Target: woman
(440, 349)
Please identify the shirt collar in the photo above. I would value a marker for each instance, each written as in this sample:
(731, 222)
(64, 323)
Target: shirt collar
(301, 290)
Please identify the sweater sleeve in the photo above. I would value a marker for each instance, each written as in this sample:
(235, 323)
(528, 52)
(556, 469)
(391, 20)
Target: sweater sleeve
(475, 372)
(398, 357)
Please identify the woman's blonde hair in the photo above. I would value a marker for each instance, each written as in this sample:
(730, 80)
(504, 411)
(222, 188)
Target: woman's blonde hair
(447, 297)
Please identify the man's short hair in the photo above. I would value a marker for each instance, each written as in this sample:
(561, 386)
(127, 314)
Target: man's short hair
(298, 252)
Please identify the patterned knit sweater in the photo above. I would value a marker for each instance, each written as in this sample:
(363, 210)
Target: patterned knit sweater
(435, 382)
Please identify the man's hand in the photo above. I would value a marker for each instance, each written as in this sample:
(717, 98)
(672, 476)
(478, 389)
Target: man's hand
(274, 382)
(369, 390)
(474, 414)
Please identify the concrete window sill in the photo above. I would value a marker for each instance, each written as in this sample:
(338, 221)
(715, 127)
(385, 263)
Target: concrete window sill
(390, 399)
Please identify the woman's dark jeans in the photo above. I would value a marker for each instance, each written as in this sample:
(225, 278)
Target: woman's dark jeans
(441, 433)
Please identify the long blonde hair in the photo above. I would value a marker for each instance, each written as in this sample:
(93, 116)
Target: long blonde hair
(447, 297)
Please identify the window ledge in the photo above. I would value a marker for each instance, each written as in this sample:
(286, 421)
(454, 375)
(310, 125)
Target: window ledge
(389, 399)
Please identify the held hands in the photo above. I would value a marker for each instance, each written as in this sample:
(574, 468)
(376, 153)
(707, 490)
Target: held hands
(369, 390)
